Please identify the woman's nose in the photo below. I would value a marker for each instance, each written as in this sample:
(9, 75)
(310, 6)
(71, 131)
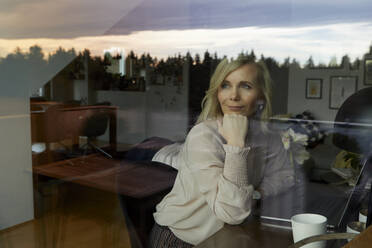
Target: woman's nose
(234, 94)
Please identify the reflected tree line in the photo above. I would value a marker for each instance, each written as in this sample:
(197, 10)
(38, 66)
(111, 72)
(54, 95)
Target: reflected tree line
(69, 65)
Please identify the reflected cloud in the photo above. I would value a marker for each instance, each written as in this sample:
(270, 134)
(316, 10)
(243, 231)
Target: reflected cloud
(194, 14)
(60, 18)
(71, 19)
(296, 42)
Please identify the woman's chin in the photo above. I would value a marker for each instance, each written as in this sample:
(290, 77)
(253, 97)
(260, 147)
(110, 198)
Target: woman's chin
(235, 113)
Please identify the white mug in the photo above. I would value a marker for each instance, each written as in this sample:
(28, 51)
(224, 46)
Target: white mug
(363, 215)
(307, 225)
(355, 227)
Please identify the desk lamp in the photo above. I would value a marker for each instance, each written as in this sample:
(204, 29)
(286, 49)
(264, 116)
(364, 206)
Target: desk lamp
(353, 133)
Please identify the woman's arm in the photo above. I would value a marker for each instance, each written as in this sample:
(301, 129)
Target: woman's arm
(221, 173)
(279, 173)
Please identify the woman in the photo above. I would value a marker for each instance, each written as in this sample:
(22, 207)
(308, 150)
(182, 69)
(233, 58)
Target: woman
(229, 156)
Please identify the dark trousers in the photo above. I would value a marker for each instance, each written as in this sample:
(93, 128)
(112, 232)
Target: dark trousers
(163, 237)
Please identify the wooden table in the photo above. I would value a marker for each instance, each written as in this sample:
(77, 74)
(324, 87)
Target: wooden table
(250, 234)
(136, 180)
(253, 233)
(140, 185)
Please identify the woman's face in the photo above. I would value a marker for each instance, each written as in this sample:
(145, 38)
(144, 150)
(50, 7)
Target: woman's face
(238, 93)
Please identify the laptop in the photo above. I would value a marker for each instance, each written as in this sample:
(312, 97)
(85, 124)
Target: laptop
(340, 204)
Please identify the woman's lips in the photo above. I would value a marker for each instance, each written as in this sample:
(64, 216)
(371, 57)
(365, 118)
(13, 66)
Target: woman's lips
(235, 108)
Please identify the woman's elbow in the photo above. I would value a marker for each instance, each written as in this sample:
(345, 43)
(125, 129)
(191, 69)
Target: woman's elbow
(232, 216)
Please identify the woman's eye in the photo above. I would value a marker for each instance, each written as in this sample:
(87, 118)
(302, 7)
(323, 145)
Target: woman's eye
(224, 85)
(246, 86)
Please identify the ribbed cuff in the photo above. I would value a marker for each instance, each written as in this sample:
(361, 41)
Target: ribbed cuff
(236, 149)
(236, 168)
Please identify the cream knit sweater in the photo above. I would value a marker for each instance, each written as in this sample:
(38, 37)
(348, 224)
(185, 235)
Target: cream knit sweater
(215, 181)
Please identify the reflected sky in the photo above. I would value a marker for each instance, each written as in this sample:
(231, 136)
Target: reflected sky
(278, 28)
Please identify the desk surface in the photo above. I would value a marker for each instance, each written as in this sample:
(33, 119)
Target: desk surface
(122, 177)
(250, 234)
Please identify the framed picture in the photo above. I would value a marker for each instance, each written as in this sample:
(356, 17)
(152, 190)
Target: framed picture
(368, 71)
(314, 88)
(341, 87)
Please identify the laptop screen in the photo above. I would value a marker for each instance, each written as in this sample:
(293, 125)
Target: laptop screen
(359, 196)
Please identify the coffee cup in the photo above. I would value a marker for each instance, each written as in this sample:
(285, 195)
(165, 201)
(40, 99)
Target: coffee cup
(355, 227)
(363, 215)
(308, 225)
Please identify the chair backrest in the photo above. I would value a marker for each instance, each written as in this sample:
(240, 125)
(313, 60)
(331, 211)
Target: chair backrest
(95, 125)
(353, 123)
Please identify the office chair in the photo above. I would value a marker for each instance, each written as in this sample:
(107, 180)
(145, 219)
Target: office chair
(353, 123)
(95, 126)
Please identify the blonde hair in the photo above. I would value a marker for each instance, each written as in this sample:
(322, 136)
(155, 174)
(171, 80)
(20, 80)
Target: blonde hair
(210, 106)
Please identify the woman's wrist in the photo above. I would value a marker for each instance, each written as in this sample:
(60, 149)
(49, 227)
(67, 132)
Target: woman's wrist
(240, 144)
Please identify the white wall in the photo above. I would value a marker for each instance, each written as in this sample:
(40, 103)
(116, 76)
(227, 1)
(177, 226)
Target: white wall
(297, 103)
(17, 82)
(162, 110)
(167, 112)
(131, 116)
(16, 191)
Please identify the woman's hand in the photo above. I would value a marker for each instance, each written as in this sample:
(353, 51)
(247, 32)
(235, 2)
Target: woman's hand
(234, 129)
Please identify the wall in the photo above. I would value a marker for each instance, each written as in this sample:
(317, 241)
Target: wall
(297, 103)
(62, 89)
(280, 91)
(167, 112)
(16, 194)
(16, 187)
(131, 116)
(162, 110)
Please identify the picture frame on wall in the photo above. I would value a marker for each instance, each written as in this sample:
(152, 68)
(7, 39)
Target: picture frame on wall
(341, 87)
(368, 71)
(314, 87)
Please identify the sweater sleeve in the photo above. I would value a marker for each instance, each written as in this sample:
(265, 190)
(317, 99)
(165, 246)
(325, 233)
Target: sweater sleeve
(221, 173)
(279, 173)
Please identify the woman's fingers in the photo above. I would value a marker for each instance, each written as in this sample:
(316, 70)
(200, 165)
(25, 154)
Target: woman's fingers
(234, 129)
(235, 121)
